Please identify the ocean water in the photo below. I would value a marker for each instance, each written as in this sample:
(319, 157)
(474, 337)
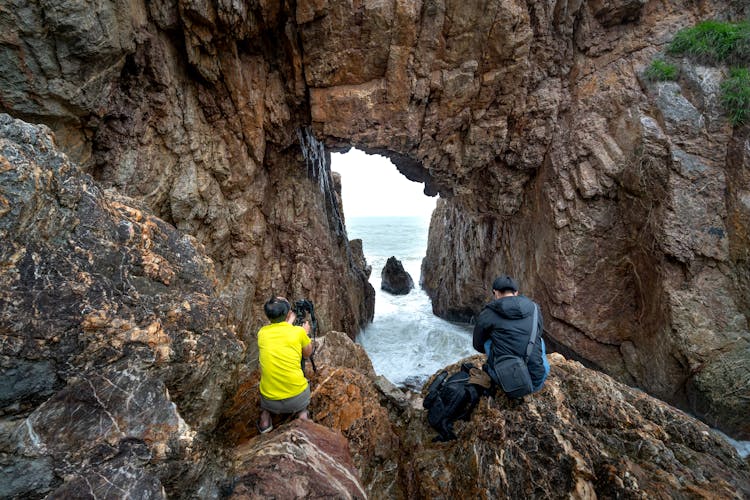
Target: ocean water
(406, 342)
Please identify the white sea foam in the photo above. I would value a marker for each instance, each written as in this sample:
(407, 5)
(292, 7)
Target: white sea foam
(406, 342)
(742, 447)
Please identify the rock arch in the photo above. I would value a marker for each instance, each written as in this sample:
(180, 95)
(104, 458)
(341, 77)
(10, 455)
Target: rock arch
(616, 202)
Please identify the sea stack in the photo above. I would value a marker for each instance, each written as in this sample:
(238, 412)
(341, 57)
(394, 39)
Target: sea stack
(395, 278)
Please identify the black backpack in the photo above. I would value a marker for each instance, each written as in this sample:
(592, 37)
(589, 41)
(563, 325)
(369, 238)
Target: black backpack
(449, 399)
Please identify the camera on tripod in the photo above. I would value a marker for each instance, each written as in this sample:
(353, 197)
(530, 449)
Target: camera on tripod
(305, 311)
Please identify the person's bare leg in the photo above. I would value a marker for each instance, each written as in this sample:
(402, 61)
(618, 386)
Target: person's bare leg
(303, 415)
(265, 419)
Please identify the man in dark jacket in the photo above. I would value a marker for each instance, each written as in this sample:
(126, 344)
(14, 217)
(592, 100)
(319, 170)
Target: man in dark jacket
(504, 327)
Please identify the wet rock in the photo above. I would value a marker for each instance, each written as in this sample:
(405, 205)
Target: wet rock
(618, 203)
(149, 106)
(359, 256)
(395, 279)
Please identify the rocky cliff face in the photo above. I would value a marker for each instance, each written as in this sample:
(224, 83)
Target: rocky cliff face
(621, 206)
(123, 376)
(200, 111)
(616, 202)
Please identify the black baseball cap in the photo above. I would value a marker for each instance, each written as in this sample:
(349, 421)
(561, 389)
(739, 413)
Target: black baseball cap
(503, 283)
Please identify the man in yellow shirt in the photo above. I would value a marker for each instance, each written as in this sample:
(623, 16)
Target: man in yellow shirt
(281, 347)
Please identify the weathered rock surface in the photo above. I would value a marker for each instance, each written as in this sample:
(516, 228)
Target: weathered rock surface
(301, 460)
(115, 351)
(395, 279)
(620, 205)
(337, 349)
(583, 435)
(121, 370)
(199, 110)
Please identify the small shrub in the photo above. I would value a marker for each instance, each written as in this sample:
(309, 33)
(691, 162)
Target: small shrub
(661, 71)
(714, 42)
(735, 95)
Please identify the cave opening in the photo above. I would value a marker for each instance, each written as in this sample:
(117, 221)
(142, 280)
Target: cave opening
(390, 214)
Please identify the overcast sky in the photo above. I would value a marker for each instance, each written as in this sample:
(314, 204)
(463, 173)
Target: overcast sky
(371, 185)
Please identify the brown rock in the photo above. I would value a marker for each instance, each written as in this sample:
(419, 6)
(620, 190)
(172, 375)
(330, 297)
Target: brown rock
(164, 108)
(619, 204)
(300, 460)
(582, 435)
(347, 400)
(115, 350)
(337, 349)
(121, 370)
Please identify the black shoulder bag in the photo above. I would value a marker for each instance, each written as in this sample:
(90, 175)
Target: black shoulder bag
(511, 372)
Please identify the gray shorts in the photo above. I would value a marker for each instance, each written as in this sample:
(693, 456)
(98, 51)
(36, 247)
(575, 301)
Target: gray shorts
(295, 404)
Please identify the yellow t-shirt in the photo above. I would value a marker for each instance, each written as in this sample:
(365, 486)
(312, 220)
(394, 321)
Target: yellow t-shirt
(280, 355)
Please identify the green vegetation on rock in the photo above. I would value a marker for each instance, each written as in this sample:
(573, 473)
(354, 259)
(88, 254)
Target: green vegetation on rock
(714, 42)
(735, 95)
(661, 71)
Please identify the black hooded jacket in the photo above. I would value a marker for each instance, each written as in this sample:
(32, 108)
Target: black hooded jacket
(507, 321)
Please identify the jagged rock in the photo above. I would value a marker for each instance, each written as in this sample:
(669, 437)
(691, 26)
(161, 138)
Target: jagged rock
(395, 279)
(159, 108)
(359, 256)
(300, 460)
(337, 349)
(367, 308)
(114, 317)
(583, 435)
(619, 204)
(348, 400)
(115, 350)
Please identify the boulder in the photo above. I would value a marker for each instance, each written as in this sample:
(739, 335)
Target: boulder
(395, 279)
(519, 114)
(115, 349)
(302, 459)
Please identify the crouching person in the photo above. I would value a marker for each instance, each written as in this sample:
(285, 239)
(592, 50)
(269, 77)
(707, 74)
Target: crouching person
(509, 330)
(281, 347)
